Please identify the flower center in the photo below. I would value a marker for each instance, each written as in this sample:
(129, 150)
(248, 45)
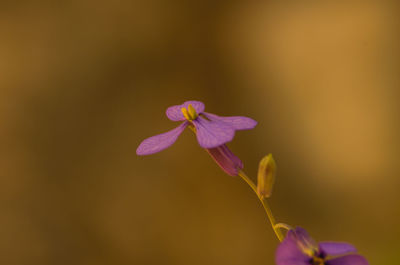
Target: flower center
(307, 246)
(189, 113)
(317, 261)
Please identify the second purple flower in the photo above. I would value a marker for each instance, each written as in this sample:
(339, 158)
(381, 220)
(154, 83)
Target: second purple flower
(298, 248)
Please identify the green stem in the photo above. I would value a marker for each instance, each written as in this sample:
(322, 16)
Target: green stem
(284, 226)
(264, 204)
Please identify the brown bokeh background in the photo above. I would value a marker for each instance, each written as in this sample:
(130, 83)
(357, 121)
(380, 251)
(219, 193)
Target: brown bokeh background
(82, 82)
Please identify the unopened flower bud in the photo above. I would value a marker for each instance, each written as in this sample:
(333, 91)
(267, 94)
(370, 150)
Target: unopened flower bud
(224, 157)
(266, 176)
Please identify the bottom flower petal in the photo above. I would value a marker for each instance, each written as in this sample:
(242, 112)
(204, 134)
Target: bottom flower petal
(336, 248)
(160, 142)
(289, 253)
(304, 240)
(348, 260)
(226, 159)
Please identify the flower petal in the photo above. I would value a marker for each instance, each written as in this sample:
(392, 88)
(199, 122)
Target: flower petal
(237, 122)
(226, 159)
(160, 142)
(289, 253)
(174, 113)
(348, 260)
(336, 248)
(211, 134)
(304, 240)
(197, 105)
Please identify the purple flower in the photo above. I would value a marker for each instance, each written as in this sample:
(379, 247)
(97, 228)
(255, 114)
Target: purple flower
(212, 132)
(298, 248)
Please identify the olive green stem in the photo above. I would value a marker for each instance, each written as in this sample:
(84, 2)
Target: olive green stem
(283, 226)
(264, 204)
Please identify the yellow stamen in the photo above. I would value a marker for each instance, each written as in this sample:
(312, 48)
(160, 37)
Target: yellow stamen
(189, 113)
(308, 251)
(307, 247)
(192, 112)
(318, 261)
(185, 113)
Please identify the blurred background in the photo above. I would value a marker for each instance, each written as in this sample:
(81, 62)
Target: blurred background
(83, 82)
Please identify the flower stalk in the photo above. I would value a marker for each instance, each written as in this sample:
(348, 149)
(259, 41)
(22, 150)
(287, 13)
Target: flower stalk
(264, 203)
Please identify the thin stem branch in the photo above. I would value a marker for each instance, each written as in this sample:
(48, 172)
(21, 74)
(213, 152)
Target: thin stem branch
(283, 226)
(264, 204)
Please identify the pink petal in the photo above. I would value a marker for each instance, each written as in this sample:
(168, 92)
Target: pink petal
(348, 260)
(288, 252)
(211, 134)
(236, 122)
(336, 248)
(160, 142)
(304, 239)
